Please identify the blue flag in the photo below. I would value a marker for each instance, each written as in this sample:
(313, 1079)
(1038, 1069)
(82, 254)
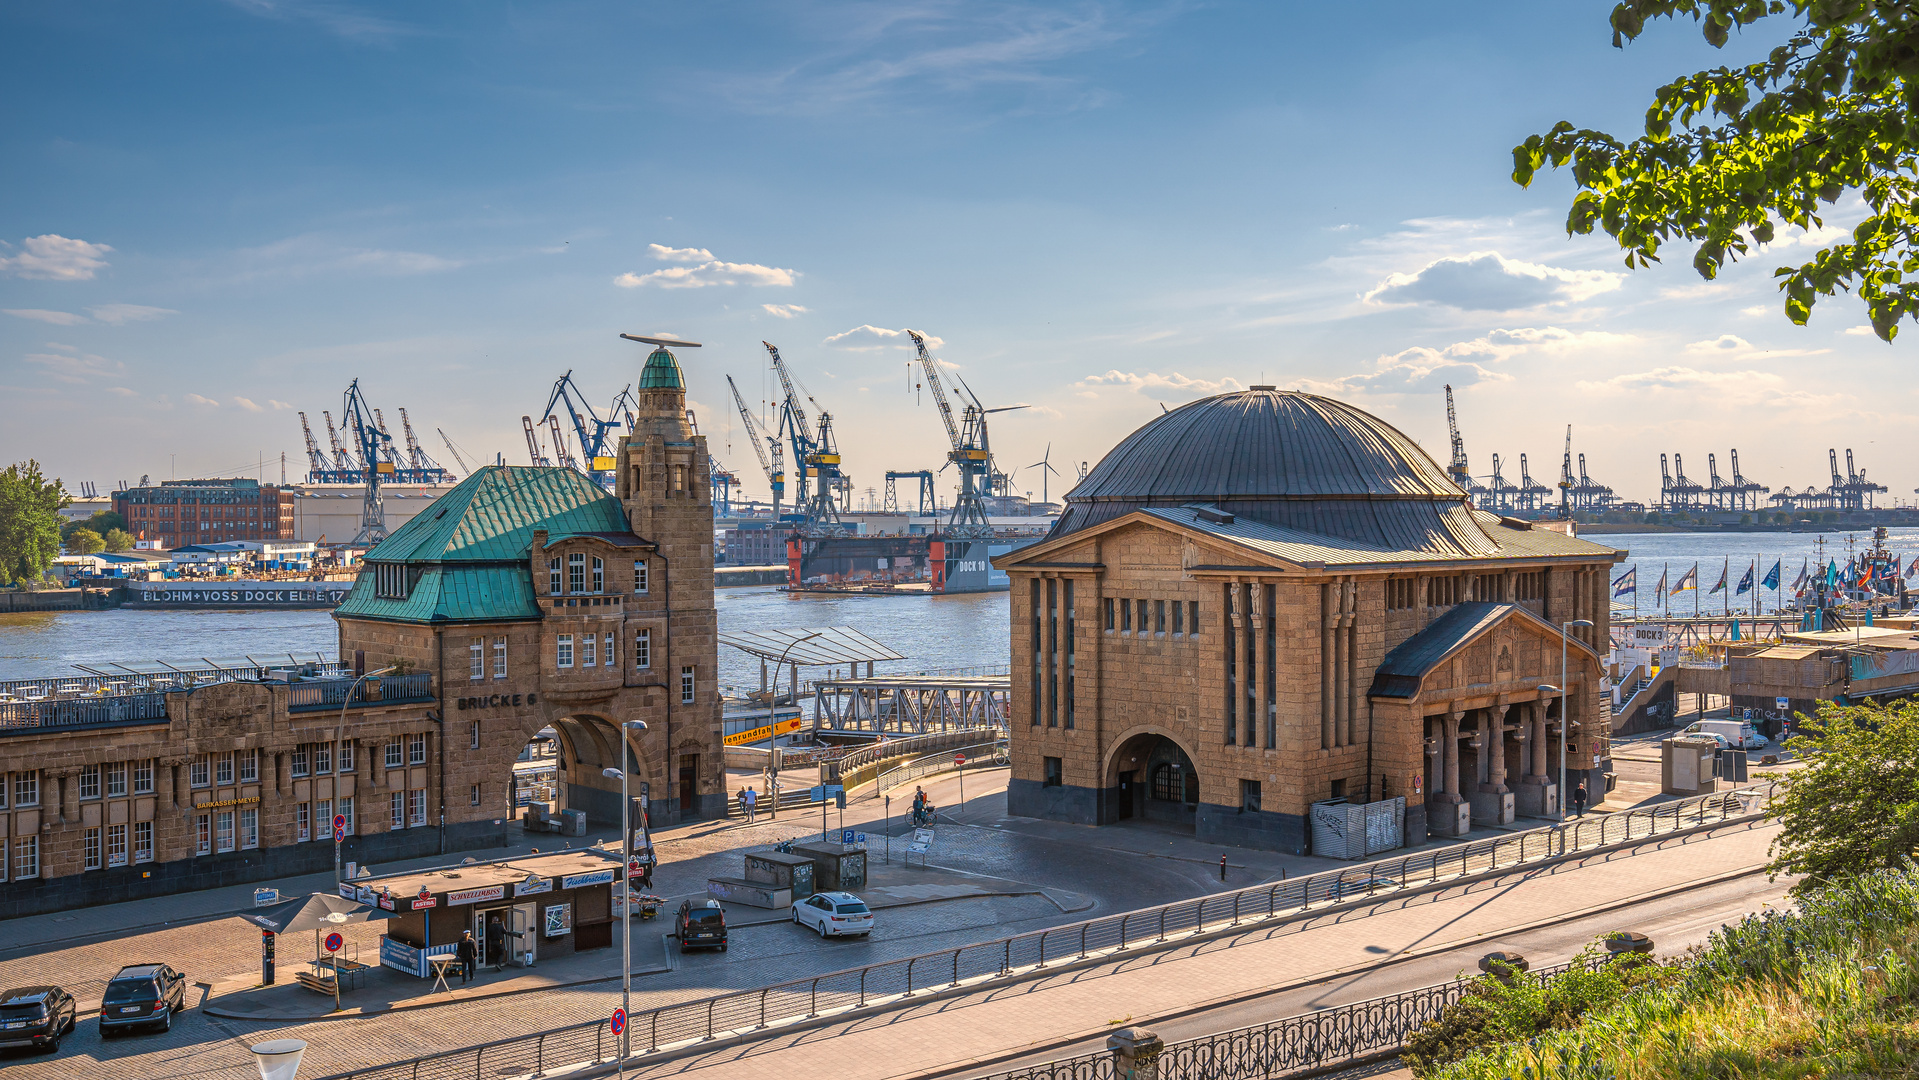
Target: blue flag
(1627, 584)
(1771, 580)
(1745, 583)
(1832, 573)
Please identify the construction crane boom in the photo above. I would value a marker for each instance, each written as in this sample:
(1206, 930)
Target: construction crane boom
(341, 459)
(1458, 470)
(931, 366)
(596, 455)
(786, 382)
(560, 451)
(533, 454)
(362, 422)
(465, 469)
(316, 461)
(416, 457)
(773, 463)
(1566, 475)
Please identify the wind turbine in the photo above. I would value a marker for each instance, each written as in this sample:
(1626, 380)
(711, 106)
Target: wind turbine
(1044, 465)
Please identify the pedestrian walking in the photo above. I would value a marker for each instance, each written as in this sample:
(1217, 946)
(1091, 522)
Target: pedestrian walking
(749, 801)
(469, 954)
(1579, 799)
(919, 806)
(496, 941)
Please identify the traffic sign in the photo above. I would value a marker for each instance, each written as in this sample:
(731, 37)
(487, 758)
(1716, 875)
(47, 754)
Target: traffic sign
(846, 836)
(618, 1022)
(339, 826)
(959, 759)
(334, 941)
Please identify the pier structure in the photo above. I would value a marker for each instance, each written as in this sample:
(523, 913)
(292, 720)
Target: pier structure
(911, 704)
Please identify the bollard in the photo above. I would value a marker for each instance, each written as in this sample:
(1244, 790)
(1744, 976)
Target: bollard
(1222, 868)
(1135, 1054)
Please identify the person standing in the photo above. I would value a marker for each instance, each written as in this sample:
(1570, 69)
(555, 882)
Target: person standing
(749, 800)
(496, 941)
(1579, 799)
(469, 954)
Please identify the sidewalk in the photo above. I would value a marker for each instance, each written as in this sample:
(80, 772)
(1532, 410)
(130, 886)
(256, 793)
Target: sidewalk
(976, 1028)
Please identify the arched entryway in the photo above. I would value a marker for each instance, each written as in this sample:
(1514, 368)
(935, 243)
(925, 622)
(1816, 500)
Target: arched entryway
(1152, 778)
(586, 746)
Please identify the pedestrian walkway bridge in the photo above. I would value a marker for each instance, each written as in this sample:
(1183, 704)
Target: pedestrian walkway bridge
(911, 704)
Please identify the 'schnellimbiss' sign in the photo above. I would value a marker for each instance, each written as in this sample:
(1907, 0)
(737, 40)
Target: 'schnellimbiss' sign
(474, 896)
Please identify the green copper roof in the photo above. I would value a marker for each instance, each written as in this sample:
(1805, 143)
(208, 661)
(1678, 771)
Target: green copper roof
(450, 593)
(491, 516)
(662, 372)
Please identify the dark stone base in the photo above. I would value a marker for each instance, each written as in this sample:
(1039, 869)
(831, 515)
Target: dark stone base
(1060, 802)
(123, 883)
(1262, 829)
(1415, 824)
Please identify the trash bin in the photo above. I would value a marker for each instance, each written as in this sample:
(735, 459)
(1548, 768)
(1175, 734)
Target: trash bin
(572, 822)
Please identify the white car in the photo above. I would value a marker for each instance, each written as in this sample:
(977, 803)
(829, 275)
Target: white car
(834, 914)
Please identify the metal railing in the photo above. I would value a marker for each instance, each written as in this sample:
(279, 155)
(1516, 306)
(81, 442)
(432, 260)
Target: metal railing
(72, 714)
(385, 690)
(60, 687)
(863, 760)
(978, 756)
(856, 988)
(1310, 1042)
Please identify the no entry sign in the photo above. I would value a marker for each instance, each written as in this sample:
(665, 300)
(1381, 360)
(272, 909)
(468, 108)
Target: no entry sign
(959, 759)
(618, 1022)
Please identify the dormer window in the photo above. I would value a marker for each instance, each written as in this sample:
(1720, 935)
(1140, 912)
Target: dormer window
(389, 581)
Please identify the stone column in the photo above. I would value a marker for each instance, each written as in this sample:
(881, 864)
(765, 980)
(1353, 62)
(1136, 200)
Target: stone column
(1329, 619)
(1496, 746)
(1248, 688)
(1136, 1054)
(1493, 803)
(1262, 626)
(1450, 813)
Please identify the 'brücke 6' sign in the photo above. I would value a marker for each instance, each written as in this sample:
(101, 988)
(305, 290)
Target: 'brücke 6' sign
(497, 701)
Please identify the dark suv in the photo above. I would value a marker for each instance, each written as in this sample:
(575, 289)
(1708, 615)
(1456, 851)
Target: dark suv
(702, 925)
(142, 995)
(35, 1016)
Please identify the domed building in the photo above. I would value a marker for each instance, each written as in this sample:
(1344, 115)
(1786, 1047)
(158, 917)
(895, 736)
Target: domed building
(1271, 617)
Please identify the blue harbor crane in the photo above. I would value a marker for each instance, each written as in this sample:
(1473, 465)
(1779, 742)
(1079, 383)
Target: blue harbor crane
(374, 446)
(766, 446)
(972, 451)
(816, 454)
(596, 455)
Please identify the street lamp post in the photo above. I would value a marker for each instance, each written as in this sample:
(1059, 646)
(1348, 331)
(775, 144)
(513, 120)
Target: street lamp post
(337, 730)
(773, 717)
(1565, 720)
(626, 886)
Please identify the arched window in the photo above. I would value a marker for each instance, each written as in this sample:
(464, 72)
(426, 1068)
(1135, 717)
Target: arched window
(1168, 782)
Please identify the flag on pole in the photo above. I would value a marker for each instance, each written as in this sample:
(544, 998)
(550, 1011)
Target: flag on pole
(1687, 581)
(1723, 571)
(1628, 583)
(1771, 580)
(1745, 583)
(1662, 580)
(1832, 573)
(1912, 568)
(1805, 575)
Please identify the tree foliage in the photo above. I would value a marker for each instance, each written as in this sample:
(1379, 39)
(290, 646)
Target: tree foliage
(85, 542)
(1854, 806)
(1731, 153)
(30, 506)
(118, 540)
(102, 522)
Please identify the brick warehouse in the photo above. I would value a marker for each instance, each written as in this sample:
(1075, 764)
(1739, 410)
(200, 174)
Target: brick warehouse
(527, 598)
(1265, 600)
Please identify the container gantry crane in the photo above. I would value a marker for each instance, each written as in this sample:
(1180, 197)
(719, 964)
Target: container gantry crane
(766, 447)
(375, 446)
(972, 451)
(816, 456)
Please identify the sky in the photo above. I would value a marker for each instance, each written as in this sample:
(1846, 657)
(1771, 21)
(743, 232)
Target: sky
(215, 215)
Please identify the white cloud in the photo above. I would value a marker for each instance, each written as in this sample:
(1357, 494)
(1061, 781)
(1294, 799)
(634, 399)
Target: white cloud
(1171, 386)
(277, 405)
(1422, 368)
(867, 337)
(703, 270)
(247, 405)
(1695, 390)
(70, 365)
(337, 19)
(1755, 310)
(115, 314)
(1855, 331)
(1734, 345)
(198, 400)
(783, 311)
(57, 318)
(1488, 281)
(121, 391)
(55, 258)
(314, 253)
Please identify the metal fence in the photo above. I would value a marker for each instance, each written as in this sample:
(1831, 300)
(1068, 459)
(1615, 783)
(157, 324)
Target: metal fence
(855, 988)
(173, 679)
(318, 694)
(978, 756)
(1310, 1042)
(69, 714)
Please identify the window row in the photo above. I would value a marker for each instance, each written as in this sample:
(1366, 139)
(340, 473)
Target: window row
(114, 780)
(405, 750)
(406, 809)
(476, 657)
(1175, 617)
(314, 820)
(578, 574)
(223, 830)
(108, 845)
(222, 770)
(319, 759)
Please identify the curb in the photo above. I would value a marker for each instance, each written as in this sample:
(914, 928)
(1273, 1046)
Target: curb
(644, 1059)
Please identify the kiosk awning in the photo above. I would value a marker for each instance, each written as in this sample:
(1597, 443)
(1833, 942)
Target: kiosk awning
(810, 647)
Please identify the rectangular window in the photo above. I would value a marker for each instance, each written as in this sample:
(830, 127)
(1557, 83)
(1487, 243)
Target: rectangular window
(300, 760)
(576, 573)
(1125, 616)
(1179, 618)
(322, 759)
(396, 808)
(418, 799)
(1159, 616)
(199, 773)
(476, 659)
(1054, 773)
(393, 756)
(3, 795)
(224, 830)
(1192, 617)
(606, 658)
(599, 575)
(686, 686)
(499, 658)
(1067, 675)
(90, 850)
(1052, 652)
(476, 795)
(346, 756)
(389, 581)
(565, 651)
(90, 782)
(1109, 613)
(553, 575)
(249, 766)
(416, 750)
(223, 770)
(249, 828)
(323, 819)
(639, 576)
(1249, 796)
(116, 782)
(1039, 652)
(1232, 667)
(1145, 627)
(26, 788)
(302, 823)
(589, 649)
(346, 811)
(142, 841)
(473, 736)
(203, 834)
(116, 845)
(26, 858)
(642, 650)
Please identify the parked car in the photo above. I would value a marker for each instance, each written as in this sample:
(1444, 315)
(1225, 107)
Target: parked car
(35, 1016)
(1740, 734)
(702, 925)
(834, 914)
(142, 995)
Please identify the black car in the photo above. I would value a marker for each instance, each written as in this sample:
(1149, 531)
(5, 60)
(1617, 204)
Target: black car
(702, 925)
(35, 1016)
(142, 995)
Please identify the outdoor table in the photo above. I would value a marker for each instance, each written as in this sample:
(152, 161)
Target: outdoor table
(440, 964)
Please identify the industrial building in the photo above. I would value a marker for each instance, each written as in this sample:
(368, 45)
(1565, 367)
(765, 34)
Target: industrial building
(176, 513)
(1263, 610)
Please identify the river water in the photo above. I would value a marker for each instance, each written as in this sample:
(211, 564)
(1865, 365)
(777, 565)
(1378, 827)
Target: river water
(967, 630)
(1731, 553)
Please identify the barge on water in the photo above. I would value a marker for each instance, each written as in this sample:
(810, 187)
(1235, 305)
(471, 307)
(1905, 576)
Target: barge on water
(222, 595)
(932, 563)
